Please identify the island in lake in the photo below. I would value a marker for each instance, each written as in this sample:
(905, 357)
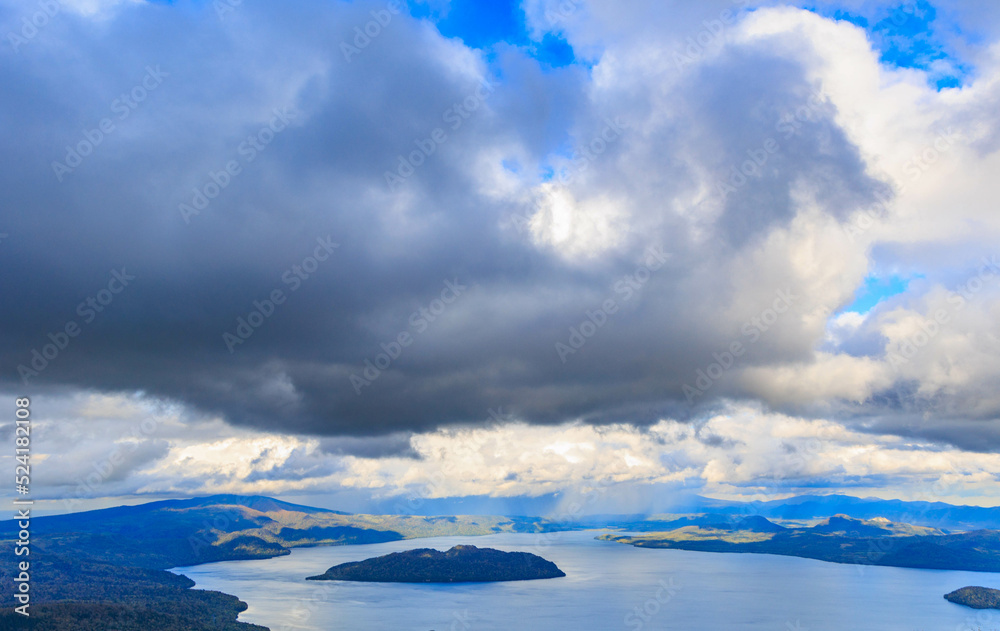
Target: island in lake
(461, 564)
(107, 568)
(976, 597)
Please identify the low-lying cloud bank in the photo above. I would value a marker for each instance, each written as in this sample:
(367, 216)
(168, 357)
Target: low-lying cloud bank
(95, 446)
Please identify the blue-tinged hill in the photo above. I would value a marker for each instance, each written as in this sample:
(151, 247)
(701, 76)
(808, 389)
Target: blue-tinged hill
(931, 514)
(104, 569)
(839, 539)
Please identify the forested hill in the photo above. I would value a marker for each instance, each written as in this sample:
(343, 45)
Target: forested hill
(104, 569)
(175, 533)
(461, 564)
(839, 539)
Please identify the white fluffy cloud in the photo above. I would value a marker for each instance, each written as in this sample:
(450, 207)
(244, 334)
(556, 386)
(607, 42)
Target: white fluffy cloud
(934, 149)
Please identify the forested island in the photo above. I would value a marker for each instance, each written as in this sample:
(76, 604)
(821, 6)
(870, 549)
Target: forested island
(461, 564)
(105, 569)
(976, 597)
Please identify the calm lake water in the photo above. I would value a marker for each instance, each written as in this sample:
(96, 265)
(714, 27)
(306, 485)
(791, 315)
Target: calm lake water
(608, 586)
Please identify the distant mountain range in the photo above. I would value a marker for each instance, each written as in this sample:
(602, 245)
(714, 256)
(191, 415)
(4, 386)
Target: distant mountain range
(172, 533)
(814, 507)
(934, 514)
(805, 507)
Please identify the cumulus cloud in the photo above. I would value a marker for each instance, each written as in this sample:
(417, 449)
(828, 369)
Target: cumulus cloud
(480, 208)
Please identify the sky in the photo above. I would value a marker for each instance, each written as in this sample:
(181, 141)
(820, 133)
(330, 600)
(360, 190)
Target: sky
(371, 254)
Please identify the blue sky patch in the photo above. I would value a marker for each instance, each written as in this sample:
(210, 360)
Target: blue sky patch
(483, 24)
(910, 35)
(554, 51)
(876, 289)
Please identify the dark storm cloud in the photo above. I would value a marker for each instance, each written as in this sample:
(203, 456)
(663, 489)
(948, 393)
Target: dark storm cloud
(768, 128)
(369, 447)
(336, 127)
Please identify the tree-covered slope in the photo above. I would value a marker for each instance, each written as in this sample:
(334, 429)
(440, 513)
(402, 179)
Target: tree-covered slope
(92, 596)
(976, 597)
(461, 564)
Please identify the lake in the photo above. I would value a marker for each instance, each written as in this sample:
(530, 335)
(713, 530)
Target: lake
(607, 586)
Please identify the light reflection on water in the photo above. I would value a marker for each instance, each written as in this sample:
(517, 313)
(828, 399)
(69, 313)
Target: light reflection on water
(608, 586)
